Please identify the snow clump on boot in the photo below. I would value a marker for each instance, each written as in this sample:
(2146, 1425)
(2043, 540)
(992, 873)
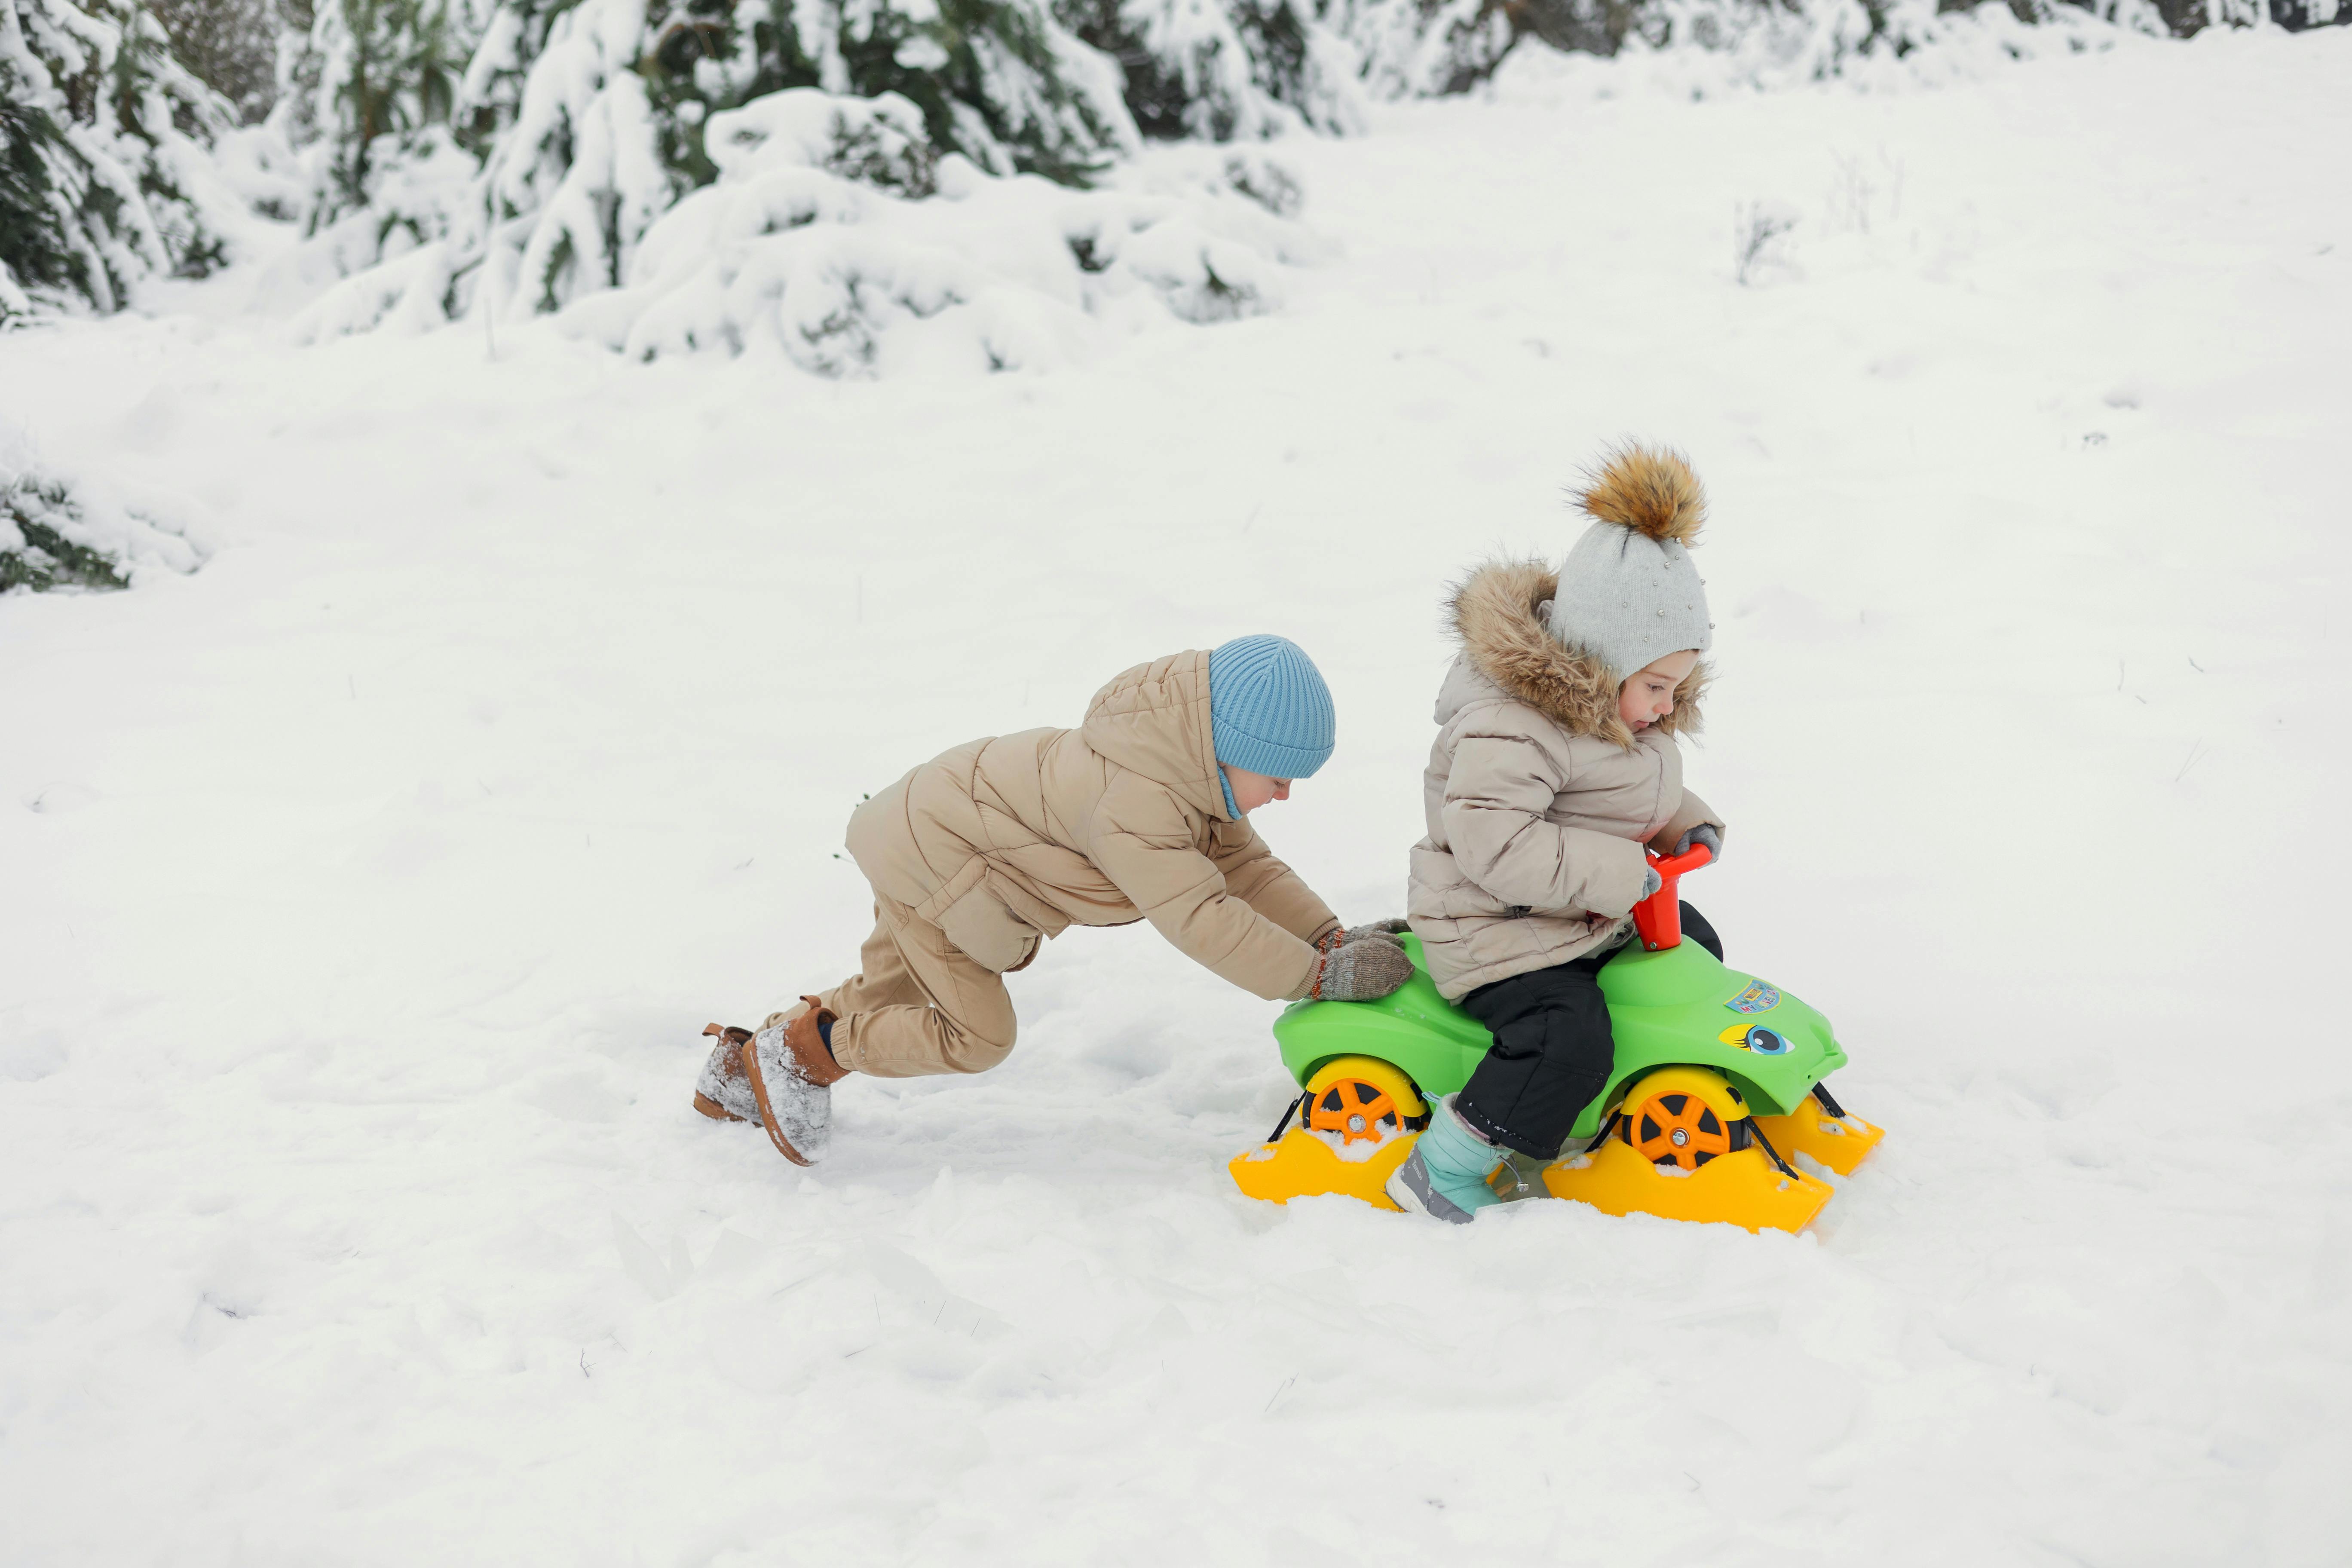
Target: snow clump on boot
(724, 1089)
(799, 1113)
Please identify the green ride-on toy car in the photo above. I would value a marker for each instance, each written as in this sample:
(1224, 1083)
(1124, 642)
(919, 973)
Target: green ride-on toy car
(1716, 1083)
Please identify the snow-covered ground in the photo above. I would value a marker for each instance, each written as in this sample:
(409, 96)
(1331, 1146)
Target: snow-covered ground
(361, 895)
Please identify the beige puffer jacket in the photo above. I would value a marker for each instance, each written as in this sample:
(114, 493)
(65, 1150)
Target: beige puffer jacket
(1016, 838)
(1538, 798)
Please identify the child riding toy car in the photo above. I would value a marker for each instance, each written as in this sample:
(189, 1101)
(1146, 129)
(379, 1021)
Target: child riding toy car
(1717, 1082)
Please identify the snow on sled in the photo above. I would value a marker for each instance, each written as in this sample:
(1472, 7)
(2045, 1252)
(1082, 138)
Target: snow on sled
(1716, 1083)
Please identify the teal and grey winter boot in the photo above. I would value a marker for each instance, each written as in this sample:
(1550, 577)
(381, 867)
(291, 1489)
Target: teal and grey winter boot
(1445, 1175)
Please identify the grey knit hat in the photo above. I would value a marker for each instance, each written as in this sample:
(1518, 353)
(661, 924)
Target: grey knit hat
(1629, 592)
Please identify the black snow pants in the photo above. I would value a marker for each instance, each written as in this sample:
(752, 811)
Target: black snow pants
(1552, 1049)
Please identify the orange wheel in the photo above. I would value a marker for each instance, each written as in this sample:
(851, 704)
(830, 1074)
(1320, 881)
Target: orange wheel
(1354, 1109)
(1677, 1129)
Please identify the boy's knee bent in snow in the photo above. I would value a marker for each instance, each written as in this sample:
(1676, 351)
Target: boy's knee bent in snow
(916, 1040)
(919, 1005)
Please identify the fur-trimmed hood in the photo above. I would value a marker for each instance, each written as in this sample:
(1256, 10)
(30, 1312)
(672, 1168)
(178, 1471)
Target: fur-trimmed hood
(1499, 612)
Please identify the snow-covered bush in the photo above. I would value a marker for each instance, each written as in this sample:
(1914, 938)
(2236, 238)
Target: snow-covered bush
(104, 173)
(514, 154)
(2297, 15)
(1426, 48)
(1420, 47)
(1225, 70)
(835, 237)
(38, 547)
(537, 171)
(60, 531)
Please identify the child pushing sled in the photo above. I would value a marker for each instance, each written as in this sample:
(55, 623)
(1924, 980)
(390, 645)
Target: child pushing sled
(978, 856)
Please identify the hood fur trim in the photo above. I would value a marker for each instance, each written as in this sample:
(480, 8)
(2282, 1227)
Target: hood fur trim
(1649, 490)
(1497, 614)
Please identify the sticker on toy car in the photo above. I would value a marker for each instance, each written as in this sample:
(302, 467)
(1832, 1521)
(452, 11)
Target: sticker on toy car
(1755, 1037)
(1758, 998)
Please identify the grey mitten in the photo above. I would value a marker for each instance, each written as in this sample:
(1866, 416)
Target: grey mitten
(1651, 882)
(1706, 833)
(1377, 931)
(1362, 970)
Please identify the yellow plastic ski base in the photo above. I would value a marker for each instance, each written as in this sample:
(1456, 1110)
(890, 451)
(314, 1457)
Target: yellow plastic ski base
(1742, 1188)
(1303, 1167)
(1839, 1142)
(1734, 1187)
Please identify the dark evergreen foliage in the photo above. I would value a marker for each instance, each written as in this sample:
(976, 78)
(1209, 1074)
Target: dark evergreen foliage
(98, 120)
(46, 558)
(230, 45)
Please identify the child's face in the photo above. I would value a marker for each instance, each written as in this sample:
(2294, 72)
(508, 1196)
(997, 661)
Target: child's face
(1253, 790)
(1648, 694)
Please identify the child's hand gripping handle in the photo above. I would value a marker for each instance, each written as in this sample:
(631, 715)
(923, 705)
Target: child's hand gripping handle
(1659, 917)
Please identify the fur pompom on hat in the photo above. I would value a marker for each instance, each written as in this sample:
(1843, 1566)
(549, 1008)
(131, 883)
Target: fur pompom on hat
(1648, 489)
(1629, 592)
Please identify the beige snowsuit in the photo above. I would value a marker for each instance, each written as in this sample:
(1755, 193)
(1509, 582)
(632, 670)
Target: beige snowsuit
(1538, 799)
(978, 856)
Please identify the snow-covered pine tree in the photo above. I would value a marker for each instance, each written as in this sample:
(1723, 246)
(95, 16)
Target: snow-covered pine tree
(576, 123)
(2299, 15)
(230, 45)
(1418, 47)
(383, 79)
(1224, 70)
(102, 148)
(1426, 48)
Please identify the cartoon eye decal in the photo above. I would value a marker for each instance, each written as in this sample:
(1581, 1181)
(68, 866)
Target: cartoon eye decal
(1765, 1043)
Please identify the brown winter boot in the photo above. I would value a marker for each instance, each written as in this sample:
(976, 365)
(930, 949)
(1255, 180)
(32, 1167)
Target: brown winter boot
(792, 1076)
(723, 1092)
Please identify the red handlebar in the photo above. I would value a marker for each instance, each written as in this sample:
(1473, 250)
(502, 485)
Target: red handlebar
(1659, 917)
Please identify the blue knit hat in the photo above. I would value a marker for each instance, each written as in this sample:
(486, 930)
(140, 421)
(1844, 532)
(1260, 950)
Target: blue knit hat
(1269, 710)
